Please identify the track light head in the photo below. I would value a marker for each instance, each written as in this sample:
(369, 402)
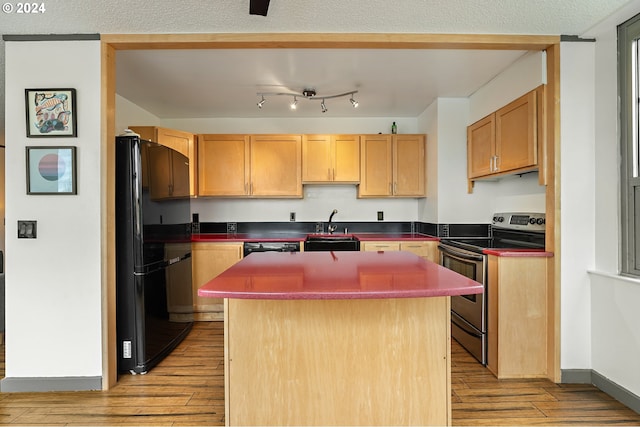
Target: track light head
(294, 104)
(323, 107)
(353, 102)
(261, 103)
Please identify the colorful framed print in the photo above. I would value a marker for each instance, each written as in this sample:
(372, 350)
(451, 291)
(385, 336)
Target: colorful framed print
(51, 170)
(51, 112)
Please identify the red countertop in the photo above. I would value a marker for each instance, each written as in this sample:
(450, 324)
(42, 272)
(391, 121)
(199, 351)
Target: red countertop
(298, 237)
(336, 275)
(518, 253)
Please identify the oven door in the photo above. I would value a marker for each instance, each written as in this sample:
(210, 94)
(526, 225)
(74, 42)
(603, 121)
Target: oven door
(472, 265)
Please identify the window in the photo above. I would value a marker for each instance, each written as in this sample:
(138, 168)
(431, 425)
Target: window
(629, 94)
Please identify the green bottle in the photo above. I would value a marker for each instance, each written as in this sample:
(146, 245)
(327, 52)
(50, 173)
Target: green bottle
(394, 128)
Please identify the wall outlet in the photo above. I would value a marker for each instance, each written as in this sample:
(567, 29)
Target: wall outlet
(292, 216)
(232, 227)
(126, 349)
(380, 216)
(27, 229)
(319, 227)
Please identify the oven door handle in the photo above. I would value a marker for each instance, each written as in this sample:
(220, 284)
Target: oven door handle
(460, 255)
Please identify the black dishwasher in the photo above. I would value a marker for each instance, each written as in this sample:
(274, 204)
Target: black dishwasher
(251, 247)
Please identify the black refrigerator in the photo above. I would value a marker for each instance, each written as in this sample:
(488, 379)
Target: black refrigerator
(154, 299)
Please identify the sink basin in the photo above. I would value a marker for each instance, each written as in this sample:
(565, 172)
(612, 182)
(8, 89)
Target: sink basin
(331, 242)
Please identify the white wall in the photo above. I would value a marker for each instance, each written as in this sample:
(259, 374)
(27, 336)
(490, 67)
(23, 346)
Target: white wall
(614, 338)
(446, 121)
(577, 82)
(53, 283)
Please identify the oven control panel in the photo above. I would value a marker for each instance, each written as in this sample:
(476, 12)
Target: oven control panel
(519, 221)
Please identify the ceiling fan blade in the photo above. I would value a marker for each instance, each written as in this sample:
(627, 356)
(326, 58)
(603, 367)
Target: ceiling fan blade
(258, 7)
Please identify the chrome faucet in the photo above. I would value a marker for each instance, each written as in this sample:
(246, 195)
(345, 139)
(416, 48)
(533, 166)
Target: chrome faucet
(332, 227)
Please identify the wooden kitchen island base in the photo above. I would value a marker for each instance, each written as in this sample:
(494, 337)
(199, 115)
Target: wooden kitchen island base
(338, 362)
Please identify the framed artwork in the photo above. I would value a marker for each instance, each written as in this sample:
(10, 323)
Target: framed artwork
(51, 112)
(51, 170)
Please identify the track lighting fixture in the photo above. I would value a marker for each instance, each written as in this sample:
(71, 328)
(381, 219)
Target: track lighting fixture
(308, 94)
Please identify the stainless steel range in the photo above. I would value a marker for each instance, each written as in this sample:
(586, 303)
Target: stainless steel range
(466, 256)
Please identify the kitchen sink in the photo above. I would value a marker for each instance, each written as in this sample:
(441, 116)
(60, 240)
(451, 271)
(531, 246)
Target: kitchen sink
(331, 242)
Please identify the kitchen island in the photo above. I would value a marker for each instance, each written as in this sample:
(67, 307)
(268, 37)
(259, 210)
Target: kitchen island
(337, 338)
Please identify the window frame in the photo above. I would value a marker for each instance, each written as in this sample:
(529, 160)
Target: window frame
(629, 117)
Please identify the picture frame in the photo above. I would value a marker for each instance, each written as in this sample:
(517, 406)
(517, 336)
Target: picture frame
(51, 113)
(51, 170)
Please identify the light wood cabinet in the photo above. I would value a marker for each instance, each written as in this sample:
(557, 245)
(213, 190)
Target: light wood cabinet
(276, 166)
(183, 142)
(379, 246)
(223, 165)
(425, 249)
(168, 176)
(209, 260)
(330, 158)
(506, 141)
(517, 316)
(392, 166)
(250, 165)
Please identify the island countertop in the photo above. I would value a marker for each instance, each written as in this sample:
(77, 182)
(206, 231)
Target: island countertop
(336, 275)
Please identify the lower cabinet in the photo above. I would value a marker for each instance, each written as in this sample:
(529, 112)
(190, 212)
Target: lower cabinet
(426, 249)
(209, 260)
(517, 316)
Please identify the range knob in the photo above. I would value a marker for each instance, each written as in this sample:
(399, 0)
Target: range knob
(532, 221)
(540, 221)
(498, 219)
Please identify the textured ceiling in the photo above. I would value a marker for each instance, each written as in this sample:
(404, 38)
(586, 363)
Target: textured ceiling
(549, 17)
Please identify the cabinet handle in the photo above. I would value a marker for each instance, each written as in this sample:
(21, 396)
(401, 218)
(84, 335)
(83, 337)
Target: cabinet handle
(496, 164)
(333, 175)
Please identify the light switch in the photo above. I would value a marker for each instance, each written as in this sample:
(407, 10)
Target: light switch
(27, 229)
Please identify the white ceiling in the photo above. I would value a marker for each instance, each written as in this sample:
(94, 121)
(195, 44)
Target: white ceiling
(222, 84)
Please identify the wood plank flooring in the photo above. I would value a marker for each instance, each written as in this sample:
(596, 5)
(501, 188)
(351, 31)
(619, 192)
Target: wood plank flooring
(187, 389)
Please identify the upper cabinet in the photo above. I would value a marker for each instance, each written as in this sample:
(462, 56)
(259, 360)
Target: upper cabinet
(392, 166)
(223, 165)
(506, 141)
(276, 165)
(330, 159)
(168, 173)
(183, 142)
(250, 165)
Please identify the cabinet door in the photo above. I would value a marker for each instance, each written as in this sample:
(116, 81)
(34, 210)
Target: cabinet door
(183, 142)
(480, 147)
(375, 166)
(409, 165)
(276, 169)
(379, 246)
(516, 130)
(180, 176)
(346, 163)
(426, 250)
(223, 165)
(316, 158)
(159, 167)
(209, 260)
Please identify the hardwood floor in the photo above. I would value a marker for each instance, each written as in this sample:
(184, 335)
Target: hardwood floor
(187, 389)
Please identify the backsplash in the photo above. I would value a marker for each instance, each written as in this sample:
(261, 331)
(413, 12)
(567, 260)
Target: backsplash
(438, 230)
